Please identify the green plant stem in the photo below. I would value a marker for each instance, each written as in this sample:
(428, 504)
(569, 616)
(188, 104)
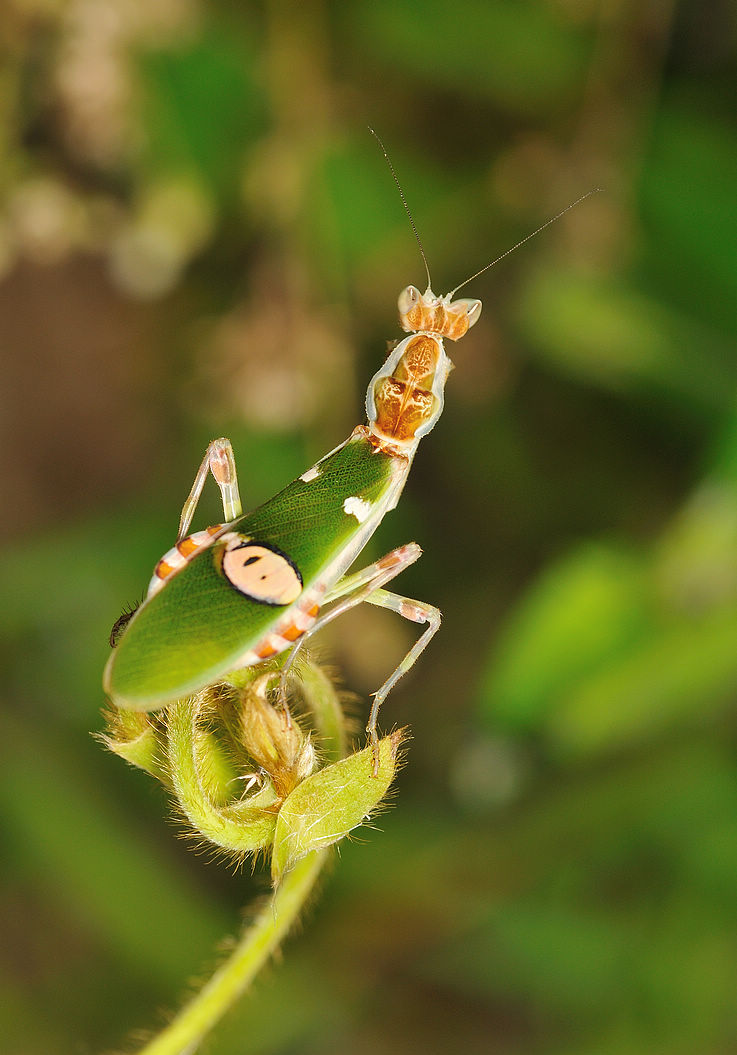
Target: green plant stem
(229, 982)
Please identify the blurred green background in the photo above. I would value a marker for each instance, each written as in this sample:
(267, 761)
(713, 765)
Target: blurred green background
(198, 237)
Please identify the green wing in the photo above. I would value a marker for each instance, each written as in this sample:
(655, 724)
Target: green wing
(196, 628)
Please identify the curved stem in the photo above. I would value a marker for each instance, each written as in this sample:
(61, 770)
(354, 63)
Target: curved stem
(258, 942)
(244, 827)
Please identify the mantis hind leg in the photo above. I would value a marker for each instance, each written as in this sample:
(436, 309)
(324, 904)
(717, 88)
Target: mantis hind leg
(366, 586)
(417, 612)
(220, 461)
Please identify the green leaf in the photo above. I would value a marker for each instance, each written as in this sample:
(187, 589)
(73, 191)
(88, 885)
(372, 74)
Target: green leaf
(622, 340)
(325, 807)
(323, 702)
(687, 193)
(201, 107)
(243, 827)
(695, 560)
(582, 614)
(536, 61)
(686, 670)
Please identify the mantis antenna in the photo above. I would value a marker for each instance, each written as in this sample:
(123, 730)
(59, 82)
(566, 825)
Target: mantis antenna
(595, 190)
(378, 139)
(449, 296)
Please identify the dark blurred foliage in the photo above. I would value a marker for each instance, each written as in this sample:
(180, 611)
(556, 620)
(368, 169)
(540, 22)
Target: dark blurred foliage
(199, 237)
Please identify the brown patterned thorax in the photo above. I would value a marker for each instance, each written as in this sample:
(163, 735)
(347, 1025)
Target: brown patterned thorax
(404, 400)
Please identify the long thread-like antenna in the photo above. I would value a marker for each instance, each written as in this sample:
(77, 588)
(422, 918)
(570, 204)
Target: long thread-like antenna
(547, 223)
(378, 139)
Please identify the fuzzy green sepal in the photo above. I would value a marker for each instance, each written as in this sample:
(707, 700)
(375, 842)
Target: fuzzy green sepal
(328, 805)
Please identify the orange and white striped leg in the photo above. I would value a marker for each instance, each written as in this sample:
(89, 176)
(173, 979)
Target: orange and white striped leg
(353, 589)
(417, 612)
(358, 585)
(219, 460)
(365, 586)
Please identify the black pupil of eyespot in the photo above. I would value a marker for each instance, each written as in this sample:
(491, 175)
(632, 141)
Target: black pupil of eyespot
(251, 560)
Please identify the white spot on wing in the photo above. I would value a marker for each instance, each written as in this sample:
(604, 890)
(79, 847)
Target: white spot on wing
(310, 474)
(357, 507)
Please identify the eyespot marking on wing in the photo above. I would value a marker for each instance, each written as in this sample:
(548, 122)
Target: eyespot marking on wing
(357, 507)
(262, 573)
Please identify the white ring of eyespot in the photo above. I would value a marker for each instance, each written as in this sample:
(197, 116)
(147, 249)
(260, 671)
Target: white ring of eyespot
(262, 573)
